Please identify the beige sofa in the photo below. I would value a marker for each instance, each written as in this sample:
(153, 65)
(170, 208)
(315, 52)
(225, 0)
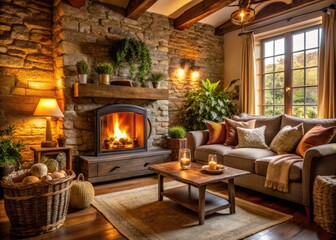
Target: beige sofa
(319, 160)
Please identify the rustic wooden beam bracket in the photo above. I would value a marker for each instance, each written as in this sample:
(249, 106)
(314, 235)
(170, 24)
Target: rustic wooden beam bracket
(136, 8)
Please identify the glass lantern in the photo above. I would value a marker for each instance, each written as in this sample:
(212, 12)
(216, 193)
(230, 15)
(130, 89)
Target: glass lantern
(212, 161)
(184, 158)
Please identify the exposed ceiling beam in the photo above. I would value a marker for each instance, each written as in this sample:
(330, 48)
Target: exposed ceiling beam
(136, 8)
(198, 12)
(271, 10)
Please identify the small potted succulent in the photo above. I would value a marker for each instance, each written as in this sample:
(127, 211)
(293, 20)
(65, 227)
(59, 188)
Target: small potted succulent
(104, 70)
(176, 140)
(61, 139)
(83, 69)
(156, 78)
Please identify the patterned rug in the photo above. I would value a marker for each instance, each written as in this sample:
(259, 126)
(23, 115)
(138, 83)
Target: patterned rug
(137, 214)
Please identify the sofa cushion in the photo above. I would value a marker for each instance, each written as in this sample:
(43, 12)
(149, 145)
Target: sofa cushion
(216, 132)
(287, 139)
(202, 152)
(244, 158)
(295, 172)
(307, 123)
(231, 130)
(272, 124)
(316, 136)
(253, 138)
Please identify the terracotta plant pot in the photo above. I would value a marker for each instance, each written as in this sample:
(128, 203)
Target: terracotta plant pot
(156, 84)
(61, 142)
(175, 144)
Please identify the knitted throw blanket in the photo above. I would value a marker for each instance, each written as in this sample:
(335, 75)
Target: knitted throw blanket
(277, 174)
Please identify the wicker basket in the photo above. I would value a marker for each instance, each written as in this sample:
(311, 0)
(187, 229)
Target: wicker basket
(36, 208)
(324, 197)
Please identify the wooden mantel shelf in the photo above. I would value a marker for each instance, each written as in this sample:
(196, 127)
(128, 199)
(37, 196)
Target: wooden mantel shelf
(121, 92)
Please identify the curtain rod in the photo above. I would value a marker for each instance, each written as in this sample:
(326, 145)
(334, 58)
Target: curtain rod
(325, 9)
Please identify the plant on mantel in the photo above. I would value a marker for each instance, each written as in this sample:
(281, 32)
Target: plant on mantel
(104, 70)
(207, 104)
(135, 53)
(83, 69)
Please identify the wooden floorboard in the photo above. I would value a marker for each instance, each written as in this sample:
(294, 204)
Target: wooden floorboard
(90, 224)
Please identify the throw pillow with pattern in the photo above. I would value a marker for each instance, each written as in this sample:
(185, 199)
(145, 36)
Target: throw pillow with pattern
(287, 139)
(231, 130)
(216, 132)
(251, 138)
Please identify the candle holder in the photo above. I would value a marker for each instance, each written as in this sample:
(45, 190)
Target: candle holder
(184, 158)
(212, 161)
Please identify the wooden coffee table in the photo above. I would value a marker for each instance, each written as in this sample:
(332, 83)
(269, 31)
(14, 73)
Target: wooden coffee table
(196, 198)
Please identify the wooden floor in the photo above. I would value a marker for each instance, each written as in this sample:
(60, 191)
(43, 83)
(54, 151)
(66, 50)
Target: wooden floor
(90, 224)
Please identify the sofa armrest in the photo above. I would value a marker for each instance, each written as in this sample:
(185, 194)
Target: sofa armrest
(320, 160)
(196, 139)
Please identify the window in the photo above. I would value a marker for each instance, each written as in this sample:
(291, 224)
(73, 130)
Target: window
(290, 73)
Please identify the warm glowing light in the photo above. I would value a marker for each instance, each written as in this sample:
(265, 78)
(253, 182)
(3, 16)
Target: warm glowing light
(180, 72)
(195, 74)
(48, 107)
(117, 132)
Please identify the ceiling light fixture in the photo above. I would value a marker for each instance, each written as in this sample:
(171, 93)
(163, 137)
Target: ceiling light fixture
(242, 16)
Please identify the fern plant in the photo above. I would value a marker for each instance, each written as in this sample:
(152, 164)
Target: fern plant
(207, 104)
(9, 149)
(134, 52)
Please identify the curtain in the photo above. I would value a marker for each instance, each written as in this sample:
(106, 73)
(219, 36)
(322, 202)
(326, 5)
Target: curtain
(247, 89)
(326, 85)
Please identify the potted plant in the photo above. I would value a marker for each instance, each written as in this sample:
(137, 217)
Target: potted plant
(208, 104)
(9, 152)
(176, 140)
(137, 55)
(61, 139)
(156, 78)
(83, 69)
(104, 70)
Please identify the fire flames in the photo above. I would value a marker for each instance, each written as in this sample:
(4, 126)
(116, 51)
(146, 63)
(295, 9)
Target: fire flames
(118, 134)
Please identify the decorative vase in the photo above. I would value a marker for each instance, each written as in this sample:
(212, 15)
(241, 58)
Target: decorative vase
(156, 84)
(82, 78)
(104, 79)
(184, 158)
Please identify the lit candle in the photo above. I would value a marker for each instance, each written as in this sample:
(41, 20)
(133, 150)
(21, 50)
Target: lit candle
(212, 165)
(185, 161)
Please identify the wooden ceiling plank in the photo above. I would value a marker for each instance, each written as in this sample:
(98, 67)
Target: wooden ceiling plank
(136, 8)
(198, 12)
(271, 10)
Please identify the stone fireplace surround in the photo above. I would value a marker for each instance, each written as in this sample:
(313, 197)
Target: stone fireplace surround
(38, 60)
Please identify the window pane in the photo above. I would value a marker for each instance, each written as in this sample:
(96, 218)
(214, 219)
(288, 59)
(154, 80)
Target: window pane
(298, 78)
(268, 49)
(279, 110)
(279, 96)
(298, 60)
(311, 112)
(279, 80)
(311, 76)
(268, 81)
(268, 110)
(312, 39)
(311, 95)
(298, 111)
(311, 58)
(280, 63)
(268, 97)
(298, 96)
(298, 42)
(279, 46)
(268, 65)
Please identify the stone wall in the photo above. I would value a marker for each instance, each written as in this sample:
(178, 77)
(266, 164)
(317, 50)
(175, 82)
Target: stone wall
(26, 67)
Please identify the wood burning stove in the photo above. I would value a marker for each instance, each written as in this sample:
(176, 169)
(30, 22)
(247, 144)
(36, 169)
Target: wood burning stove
(121, 128)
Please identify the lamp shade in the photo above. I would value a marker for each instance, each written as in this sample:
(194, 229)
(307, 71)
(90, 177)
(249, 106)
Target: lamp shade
(242, 16)
(48, 107)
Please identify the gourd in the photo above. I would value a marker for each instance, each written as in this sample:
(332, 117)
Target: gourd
(30, 179)
(38, 170)
(82, 193)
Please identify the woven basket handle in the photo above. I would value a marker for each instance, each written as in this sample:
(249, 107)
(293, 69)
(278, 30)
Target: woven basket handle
(81, 177)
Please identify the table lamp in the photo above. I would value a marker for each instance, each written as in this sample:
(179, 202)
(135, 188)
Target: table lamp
(48, 107)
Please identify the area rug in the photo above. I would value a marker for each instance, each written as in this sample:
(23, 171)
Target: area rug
(137, 214)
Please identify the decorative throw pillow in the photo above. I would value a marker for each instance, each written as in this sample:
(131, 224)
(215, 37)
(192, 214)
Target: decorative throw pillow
(251, 138)
(287, 139)
(216, 132)
(231, 130)
(316, 136)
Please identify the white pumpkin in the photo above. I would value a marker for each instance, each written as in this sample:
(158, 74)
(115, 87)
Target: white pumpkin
(38, 170)
(82, 193)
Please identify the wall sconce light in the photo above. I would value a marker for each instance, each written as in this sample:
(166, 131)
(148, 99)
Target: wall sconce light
(190, 65)
(180, 72)
(48, 107)
(195, 72)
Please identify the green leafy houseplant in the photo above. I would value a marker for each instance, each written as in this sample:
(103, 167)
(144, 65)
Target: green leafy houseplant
(9, 149)
(104, 68)
(134, 52)
(156, 78)
(82, 67)
(207, 104)
(177, 132)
